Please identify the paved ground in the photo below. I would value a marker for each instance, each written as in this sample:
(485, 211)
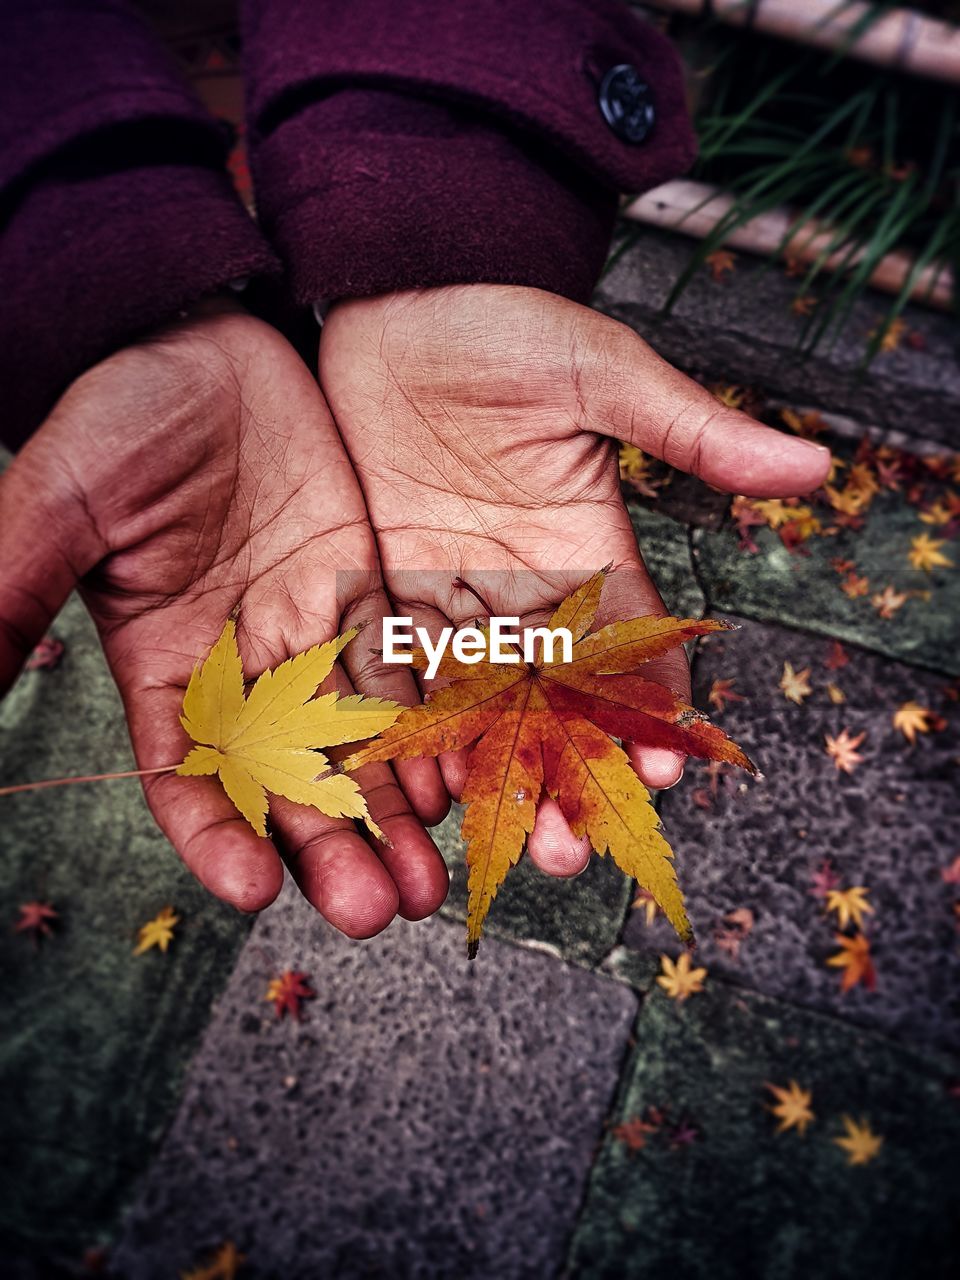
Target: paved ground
(549, 1110)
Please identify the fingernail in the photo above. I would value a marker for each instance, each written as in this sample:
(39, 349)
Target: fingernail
(676, 781)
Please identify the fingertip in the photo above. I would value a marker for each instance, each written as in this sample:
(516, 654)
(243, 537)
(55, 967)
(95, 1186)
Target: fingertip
(417, 868)
(764, 463)
(657, 767)
(553, 847)
(236, 865)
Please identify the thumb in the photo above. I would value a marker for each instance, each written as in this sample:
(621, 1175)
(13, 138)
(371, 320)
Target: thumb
(634, 395)
(46, 542)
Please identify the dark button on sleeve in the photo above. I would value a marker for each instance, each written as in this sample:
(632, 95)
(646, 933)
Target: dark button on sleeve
(627, 103)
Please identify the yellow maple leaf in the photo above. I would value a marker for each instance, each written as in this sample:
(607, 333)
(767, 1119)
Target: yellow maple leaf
(223, 1265)
(925, 553)
(843, 750)
(911, 718)
(678, 980)
(776, 512)
(795, 684)
(835, 694)
(792, 1107)
(849, 904)
(266, 741)
(859, 1142)
(157, 932)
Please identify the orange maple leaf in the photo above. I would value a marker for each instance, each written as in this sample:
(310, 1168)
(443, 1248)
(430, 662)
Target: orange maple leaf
(549, 727)
(721, 263)
(722, 692)
(911, 718)
(843, 750)
(855, 961)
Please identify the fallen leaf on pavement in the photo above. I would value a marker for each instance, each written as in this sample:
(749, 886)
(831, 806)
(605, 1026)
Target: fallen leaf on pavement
(925, 553)
(288, 993)
(792, 1107)
(911, 718)
(225, 1264)
(843, 750)
(722, 692)
(854, 959)
(859, 1142)
(849, 904)
(35, 919)
(678, 980)
(157, 932)
(795, 685)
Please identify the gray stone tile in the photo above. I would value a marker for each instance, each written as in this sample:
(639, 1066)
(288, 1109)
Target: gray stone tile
(742, 331)
(93, 1041)
(802, 589)
(578, 919)
(429, 1117)
(665, 546)
(891, 825)
(741, 1201)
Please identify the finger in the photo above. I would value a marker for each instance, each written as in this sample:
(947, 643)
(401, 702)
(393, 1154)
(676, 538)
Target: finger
(629, 592)
(215, 843)
(370, 675)
(46, 543)
(634, 395)
(553, 846)
(412, 859)
(335, 869)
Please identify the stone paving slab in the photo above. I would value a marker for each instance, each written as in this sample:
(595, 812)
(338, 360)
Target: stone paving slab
(891, 825)
(665, 546)
(740, 1201)
(742, 330)
(93, 1041)
(428, 1117)
(578, 919)
(803, 589)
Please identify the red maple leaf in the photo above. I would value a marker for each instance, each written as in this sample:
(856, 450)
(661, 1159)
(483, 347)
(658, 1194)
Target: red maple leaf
(288, 991)
(823, 879)
(35, 919)
(837, 658)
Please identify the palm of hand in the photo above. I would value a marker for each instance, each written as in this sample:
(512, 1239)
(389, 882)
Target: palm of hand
(466, 432)
(213, 480)
(464, 417)
(475, 419)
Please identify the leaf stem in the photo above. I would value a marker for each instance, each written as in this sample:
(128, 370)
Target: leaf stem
(91, 777)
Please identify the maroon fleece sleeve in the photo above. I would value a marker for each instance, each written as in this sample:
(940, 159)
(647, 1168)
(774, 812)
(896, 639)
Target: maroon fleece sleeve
(399, 143)
(115, 207)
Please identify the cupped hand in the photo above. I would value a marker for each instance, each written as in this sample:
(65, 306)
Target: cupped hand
(481, 422)
(192, 475)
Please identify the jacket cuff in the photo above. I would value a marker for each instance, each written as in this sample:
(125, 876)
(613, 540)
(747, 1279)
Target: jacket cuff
(90, 262)
(430, 143)
(369, 192)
